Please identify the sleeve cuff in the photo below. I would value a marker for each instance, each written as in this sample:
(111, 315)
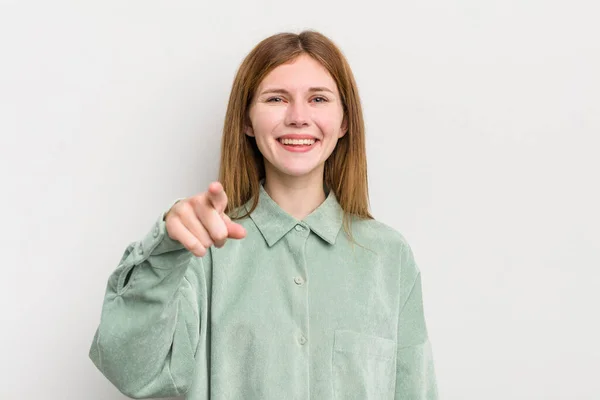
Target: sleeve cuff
(157, 241)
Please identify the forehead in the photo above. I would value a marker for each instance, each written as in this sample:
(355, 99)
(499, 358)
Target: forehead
(302, 72)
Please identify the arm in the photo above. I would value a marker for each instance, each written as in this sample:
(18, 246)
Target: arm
(415, 375)
(153, 322)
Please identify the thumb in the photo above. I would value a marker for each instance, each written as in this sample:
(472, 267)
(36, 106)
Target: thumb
(235, 230)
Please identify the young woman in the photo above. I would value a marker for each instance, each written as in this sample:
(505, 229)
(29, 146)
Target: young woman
(313, 299)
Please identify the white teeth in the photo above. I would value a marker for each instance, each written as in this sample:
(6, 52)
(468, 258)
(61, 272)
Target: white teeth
(297, 142)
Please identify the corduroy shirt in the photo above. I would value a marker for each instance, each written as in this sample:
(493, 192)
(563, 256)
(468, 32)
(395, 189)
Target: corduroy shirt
(292, 311)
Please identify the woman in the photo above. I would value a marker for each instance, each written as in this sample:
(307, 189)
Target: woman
(291, 308)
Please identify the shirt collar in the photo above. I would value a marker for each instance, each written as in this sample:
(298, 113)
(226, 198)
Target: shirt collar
(273, 222)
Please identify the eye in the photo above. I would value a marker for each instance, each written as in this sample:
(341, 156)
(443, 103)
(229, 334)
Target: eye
(321, 99)
(274, 99)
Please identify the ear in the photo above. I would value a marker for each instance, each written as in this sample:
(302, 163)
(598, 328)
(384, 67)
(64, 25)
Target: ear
(344, 127)
(249, 131)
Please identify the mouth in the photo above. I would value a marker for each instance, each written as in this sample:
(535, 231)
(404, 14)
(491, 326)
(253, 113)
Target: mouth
(298, 145)
(297, 142)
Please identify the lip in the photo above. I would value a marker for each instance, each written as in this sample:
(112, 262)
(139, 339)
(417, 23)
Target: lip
(297, 137)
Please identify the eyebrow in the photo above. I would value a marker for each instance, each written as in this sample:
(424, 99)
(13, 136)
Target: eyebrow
(283, 91)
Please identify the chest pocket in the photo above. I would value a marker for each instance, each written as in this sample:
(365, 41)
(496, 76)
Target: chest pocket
(364, 366)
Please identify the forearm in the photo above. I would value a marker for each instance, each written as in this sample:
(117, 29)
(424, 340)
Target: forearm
(149, 329)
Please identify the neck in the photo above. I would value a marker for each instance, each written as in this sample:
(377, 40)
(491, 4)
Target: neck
(298, 196)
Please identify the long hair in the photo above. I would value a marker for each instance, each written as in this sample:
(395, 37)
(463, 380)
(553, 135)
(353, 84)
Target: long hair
(242, 164)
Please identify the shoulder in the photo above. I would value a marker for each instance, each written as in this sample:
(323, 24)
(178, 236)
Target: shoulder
(389, 243)
(376, 231)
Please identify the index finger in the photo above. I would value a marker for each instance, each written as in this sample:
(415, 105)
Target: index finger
(216, 196)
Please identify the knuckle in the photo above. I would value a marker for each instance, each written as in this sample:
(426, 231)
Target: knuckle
(171, 227)
(219, 235)
(199, 252)
(197, 199)
(186, 208)
(179, 205)
(191, 244)
(202, 251)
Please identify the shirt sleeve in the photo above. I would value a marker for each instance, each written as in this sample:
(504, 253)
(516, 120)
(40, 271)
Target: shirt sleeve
(415, 375)
(152, 330)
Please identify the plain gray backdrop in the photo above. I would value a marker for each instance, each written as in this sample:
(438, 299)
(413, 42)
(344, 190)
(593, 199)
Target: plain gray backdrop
(483, 123)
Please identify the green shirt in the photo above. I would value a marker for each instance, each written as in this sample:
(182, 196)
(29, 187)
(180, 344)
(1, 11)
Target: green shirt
(292, 311)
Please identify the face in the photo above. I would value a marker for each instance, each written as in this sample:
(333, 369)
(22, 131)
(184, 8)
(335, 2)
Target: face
(298, 101)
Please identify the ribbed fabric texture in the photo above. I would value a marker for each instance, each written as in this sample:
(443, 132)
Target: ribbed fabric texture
(292, 311)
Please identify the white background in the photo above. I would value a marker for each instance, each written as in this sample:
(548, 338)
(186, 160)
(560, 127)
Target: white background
(483, 125)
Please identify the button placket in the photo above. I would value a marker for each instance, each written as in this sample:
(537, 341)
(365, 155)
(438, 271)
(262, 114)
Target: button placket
(297, 277)
(298, 239)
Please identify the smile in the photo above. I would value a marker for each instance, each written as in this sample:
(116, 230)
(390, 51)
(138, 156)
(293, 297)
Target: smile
(297, 145)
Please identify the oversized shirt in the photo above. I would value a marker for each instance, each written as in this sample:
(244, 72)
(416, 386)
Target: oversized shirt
(294, 311)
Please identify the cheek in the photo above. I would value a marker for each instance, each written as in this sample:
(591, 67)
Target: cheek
(265, 120)
(329, 124)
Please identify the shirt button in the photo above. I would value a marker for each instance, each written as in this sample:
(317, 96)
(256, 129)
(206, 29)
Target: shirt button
(302, 340)
(298, 280)
(156, 230)
(299, 228)
(140, 250)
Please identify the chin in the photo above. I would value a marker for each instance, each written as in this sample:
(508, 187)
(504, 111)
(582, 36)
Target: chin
(296, 172)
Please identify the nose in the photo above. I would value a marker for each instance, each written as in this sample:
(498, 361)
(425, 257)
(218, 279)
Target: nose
(297, 114)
